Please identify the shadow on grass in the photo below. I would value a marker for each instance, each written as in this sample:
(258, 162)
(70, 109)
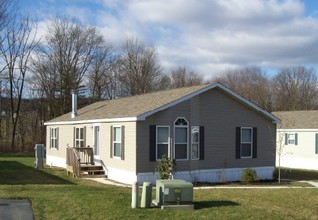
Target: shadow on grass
(15, 173)
(210, 204)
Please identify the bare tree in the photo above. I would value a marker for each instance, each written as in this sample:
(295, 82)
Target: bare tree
(295, 88)
(102, 77)
(250, 82)
(181, 77)
(139, 67)
(63, 61)
(18, 42)
(7, 10)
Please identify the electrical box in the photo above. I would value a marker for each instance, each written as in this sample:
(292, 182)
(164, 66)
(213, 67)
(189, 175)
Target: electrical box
(39, 156)
(173, 192)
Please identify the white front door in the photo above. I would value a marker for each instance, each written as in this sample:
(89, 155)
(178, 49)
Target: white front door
(96, 140)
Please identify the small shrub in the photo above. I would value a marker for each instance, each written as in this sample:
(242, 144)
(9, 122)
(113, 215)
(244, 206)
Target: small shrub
(249, 176)
(165, 167)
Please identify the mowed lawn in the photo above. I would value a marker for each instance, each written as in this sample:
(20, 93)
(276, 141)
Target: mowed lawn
(54, 195)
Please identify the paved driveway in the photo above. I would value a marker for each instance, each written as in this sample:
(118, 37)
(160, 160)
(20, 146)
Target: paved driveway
(11, 209)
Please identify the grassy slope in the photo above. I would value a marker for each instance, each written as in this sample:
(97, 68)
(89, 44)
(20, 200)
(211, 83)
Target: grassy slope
(57, 196)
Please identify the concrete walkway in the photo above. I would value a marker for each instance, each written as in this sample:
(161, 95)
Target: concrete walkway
(314, 185)
(12, 209)
(108, 182)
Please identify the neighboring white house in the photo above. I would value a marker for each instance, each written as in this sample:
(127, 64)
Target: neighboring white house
(297, 136)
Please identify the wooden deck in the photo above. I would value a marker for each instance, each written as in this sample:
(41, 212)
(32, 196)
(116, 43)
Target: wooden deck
(80, 163)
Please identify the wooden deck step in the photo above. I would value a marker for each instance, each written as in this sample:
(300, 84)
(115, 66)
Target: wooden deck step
(92, 171)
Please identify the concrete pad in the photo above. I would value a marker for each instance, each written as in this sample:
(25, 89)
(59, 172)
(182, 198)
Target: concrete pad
(12, 209)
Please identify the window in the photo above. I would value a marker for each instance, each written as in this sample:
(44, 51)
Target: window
(54, 138)
(162, 142)
(79, 137)
(195, 137)
(246, 142)
(181, 139)
(291, 138)
(117, 143)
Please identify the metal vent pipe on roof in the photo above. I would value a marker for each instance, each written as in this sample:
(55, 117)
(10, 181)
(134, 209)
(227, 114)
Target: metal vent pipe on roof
(74, 103)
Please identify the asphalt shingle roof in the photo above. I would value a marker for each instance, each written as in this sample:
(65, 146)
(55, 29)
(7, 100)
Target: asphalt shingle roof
(298, 119)
(132, 106)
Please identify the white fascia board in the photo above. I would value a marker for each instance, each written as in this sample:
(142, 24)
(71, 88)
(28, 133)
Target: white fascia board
(212, 86)
(297, 130)
(92, 121)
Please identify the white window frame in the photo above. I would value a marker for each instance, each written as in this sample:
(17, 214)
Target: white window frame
(291, 138)
(79, 139)
(249, 142)
(195, 143)
(117, 141)
(168, 141)
(54, 138)
(187, 143)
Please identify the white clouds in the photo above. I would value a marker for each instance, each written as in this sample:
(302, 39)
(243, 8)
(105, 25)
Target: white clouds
(211, 35)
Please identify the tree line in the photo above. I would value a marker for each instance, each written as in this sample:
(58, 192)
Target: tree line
(38, 73)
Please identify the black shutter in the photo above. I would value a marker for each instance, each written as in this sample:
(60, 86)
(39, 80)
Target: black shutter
(111, 142)
(254, 142)
(152, 142)
(296, 138)
(238, 143)
(123, 142)
(201, 147)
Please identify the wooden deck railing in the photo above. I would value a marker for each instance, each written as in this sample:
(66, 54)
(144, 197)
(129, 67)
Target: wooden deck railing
(75, 156)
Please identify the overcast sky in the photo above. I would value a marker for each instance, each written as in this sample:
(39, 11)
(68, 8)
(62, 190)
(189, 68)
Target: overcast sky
(206, 36)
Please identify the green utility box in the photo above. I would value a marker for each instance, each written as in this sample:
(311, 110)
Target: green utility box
(173, 192)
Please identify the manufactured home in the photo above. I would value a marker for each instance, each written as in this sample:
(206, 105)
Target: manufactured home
(297, 137)
(212, 132)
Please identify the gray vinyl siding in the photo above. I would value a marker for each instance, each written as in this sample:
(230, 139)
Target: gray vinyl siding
(220, 115)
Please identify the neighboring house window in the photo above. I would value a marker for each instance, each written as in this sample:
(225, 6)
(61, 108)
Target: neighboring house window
(291, 138)
(195, 141)
(79, 137)
(162, 142)
(54, 138)
(246, 142)
(117, 142)
(181, 139)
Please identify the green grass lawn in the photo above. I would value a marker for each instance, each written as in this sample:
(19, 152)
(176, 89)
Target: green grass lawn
(54, 195)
